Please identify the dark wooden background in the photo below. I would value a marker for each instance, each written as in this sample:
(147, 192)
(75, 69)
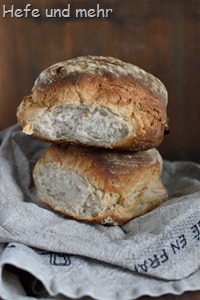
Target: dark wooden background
(163, 37)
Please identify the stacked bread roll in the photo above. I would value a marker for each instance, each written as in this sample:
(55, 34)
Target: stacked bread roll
(104, 117)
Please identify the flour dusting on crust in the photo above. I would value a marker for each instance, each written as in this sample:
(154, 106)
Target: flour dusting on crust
(99, 65)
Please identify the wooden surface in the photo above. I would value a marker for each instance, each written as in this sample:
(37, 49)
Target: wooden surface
(163, 37)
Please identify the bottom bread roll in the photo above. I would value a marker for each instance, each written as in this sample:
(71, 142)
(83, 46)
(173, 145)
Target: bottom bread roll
(99, 185)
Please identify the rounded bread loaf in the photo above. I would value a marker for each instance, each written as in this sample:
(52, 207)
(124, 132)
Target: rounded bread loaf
(99, 185)
(96, 101)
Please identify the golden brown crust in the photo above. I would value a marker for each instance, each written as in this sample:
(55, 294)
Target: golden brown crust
(115, 174)
(97, 67)
(103, 167)
(138, 97)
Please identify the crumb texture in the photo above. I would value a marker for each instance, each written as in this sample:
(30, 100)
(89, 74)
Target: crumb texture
(97, 101)
(99, 186)
(81, 123)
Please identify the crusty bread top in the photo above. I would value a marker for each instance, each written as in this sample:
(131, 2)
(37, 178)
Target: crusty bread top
(101, 83)
(108, 170)
(70, 71)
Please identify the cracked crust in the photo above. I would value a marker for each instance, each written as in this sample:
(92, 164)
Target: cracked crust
(127, 91)
(117, 186)
(70, 70)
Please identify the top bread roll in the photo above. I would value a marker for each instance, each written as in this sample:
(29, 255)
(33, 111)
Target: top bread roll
(96, 101)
